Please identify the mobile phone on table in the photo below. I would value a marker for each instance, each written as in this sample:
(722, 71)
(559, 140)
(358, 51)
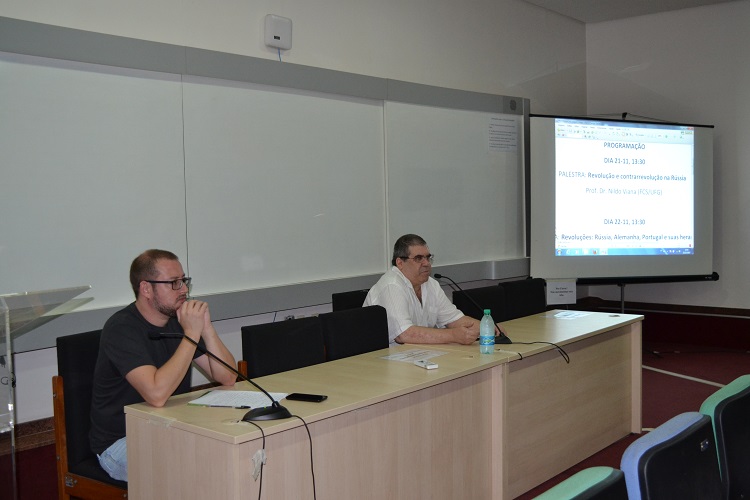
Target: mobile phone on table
(312, 398)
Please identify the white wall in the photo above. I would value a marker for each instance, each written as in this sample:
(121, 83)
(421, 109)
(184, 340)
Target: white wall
(689, 66)
(503, 47)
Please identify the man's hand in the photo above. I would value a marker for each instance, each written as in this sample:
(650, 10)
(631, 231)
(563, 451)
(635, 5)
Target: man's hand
(193, 316)
(464, 334)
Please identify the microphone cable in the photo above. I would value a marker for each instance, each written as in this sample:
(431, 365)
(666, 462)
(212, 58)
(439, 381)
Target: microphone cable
(562, 352)
(263, 448)
(158, 336)
(312, 463)
(499, 339)
(559, 349)
(273, 412)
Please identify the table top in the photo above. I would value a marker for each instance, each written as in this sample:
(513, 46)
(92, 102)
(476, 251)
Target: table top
(367, 379)
(533, 334)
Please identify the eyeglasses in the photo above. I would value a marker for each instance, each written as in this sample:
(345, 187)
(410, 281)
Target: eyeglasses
(420, 258)
(176, 284)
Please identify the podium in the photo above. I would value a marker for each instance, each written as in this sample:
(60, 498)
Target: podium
(21, 313)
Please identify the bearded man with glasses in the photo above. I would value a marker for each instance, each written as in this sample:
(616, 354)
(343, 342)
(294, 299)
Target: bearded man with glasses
(418, 310)
(134, 367)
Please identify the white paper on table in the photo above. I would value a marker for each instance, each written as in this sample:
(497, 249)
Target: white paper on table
(244, 399)
(413, 355)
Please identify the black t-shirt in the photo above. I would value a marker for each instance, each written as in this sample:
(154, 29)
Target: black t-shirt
(125, 345)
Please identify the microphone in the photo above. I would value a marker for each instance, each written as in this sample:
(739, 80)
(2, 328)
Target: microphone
(500, 339)
(273, 412)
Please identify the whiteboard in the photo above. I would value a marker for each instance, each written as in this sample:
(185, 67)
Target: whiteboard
(450, 182)
(283, 186)
(91, 174)
(254, 187)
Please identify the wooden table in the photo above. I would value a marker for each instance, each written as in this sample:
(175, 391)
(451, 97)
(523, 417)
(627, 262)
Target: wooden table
(479, 426)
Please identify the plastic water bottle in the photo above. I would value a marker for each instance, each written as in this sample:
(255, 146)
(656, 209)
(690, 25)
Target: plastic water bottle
(486, 334)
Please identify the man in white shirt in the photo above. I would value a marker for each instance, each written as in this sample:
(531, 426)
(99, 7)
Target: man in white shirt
(418, 310)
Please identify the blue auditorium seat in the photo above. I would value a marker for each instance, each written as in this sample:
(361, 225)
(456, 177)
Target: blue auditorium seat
(677, 460)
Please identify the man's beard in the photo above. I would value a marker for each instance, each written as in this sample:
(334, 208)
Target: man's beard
(164, 309)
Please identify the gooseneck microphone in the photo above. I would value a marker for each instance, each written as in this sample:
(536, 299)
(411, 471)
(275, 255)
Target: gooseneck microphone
(273, 412)
(500, 339)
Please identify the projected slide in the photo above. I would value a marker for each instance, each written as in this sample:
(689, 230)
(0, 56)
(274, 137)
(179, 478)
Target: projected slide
(623, 188)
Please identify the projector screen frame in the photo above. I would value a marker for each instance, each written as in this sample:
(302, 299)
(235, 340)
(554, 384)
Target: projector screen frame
(597, 270)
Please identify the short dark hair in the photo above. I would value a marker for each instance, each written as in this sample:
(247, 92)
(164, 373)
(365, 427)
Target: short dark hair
(144, 267)
(401, 248)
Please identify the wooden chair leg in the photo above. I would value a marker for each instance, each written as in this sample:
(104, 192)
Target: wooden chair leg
(58, 404)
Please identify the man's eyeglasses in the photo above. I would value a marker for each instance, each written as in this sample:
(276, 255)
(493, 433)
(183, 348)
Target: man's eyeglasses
(421, 258)
(176, 284)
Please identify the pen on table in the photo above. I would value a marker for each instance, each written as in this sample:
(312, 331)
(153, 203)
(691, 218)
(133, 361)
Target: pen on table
(235, 407)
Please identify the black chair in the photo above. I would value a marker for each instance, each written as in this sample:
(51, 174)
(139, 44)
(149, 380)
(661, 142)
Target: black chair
(523, 298)
(348, 300)
(285, 345)
(729, 409)
(473, 301)
(79, 474)
(354, 331)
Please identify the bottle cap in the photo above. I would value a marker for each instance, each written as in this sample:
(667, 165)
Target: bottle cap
(487, 312)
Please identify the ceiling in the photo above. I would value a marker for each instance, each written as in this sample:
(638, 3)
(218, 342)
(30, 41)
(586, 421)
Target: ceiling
(594, 11)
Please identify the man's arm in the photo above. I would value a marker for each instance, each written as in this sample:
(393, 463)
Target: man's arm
(464, 330)
(156, 385)
(475, 325)
(215, 346)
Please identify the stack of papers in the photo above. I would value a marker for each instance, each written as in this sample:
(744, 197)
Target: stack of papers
(237, 399)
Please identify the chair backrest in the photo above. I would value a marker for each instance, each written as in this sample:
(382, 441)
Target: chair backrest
(729, 410)
(354, 331)
(76, 360)
(675, 460)
(523, 298)
(594, 483)
(348, 300)
(284, 345)
(487, 297)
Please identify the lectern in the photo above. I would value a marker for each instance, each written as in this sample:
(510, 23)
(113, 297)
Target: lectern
(20, 313)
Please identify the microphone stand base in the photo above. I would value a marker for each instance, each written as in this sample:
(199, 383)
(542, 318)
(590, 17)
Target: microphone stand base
(275, 412)
(503, 339)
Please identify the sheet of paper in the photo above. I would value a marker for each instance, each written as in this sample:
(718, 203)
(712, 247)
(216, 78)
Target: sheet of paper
(250, 399)
(571, 314)
(503, 134)
(413, 355)
(561, 292)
